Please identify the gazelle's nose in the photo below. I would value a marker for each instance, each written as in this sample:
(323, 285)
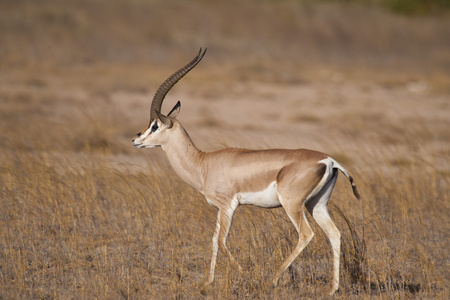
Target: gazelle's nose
(137, 136)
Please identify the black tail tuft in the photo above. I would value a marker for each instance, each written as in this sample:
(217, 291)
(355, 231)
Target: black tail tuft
(355, 189)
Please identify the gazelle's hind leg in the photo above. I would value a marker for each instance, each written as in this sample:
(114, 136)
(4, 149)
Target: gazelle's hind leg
(293, 191)
(305, 235)
(318, 208)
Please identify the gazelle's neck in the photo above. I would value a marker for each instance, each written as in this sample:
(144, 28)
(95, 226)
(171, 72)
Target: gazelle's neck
(184, 157)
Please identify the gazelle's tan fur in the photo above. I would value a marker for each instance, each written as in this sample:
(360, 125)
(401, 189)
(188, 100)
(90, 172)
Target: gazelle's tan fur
(297, 180)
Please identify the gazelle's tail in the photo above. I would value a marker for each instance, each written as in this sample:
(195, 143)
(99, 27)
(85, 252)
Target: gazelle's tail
(352, 182)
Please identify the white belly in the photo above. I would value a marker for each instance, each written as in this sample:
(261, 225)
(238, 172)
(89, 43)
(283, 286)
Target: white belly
(266, 198)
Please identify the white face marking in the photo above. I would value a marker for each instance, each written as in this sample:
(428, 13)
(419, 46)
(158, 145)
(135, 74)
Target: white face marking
(149, 129)
(146, 133)
(267, 198)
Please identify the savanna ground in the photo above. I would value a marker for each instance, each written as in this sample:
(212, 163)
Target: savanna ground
(83, 214)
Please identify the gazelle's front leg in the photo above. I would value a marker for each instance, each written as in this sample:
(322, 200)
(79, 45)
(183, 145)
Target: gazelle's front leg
(224, 220)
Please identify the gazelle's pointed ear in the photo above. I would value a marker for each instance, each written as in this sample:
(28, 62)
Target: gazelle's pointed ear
(175, 110)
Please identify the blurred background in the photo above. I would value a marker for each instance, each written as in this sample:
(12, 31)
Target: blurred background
(83, 213)
(267, 37)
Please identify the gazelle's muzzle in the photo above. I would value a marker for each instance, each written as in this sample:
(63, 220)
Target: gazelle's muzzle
(137, 142)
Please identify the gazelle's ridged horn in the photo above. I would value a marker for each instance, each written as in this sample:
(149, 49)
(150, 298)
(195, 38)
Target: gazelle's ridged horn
(170, 82)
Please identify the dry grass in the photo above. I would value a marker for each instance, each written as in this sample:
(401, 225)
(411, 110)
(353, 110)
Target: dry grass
(85, 215)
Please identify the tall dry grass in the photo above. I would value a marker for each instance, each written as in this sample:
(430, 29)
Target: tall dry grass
(85, 215)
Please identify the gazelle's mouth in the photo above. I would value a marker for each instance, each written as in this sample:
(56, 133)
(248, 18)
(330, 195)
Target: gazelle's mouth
(141, 145)
(138, 145)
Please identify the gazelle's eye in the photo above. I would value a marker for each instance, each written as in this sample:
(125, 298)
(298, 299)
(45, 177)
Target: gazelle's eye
(154, 128)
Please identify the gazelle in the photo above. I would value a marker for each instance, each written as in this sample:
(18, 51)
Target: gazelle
(297, 180)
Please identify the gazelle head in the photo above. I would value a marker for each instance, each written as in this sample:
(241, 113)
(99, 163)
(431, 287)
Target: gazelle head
(158, 129)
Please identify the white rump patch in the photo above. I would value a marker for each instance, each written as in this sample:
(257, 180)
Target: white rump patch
(266, 198)
(328, 162)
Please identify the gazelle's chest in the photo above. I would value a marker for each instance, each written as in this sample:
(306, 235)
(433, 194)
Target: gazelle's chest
(267, 198)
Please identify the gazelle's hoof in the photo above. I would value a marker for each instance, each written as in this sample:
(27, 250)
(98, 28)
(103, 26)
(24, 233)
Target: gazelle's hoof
(333, 291)
(275, 283)
(208, 282)
(206, 285)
